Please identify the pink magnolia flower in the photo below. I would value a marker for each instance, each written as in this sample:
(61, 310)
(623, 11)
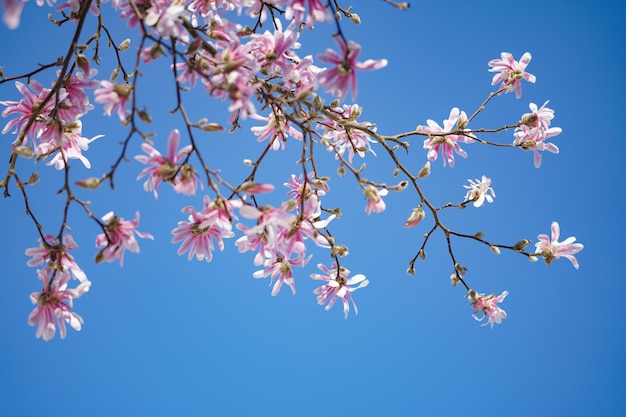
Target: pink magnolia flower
(438, 137)
(342, 138)
(164, 17)
(341, 76)
(49, 253)
(375, 202)
(12, 12)
(479, 191)
(112, 96)
(212, 224)
(533, 131)
(165, 168)
(551, 248)
(307, 11)
(274, 50)
(511, 73)
(54, 304)
(489, 307)
(338, 286)
(119, 236)
(302, 76)
(277, 129)
(72, 143)
(29, 107)
(281, 266)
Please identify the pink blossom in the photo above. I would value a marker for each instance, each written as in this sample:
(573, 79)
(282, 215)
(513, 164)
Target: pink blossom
(302, 76)
(338, 286)
(164, 17)
(274, 50)
(49, 253)
(489, 306)
(511, 73)
(533, 131)
(307, 11)
(73, 144)
(119, 236)
(479, 191)
(439, 138)
(281, 266)
(112, 96)
(277, 129)
(343, 138)
(203, 228)
(165, 168)
(30, 107)
(341, 76)
(12, 12)
(551, 248)
(375, 202)
(54, 304)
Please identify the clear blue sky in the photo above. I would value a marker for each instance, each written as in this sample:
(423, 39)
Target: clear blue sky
(168, 337)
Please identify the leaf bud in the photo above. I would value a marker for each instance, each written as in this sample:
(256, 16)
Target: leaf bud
(341, 171)
(411, 270)
(479, 235)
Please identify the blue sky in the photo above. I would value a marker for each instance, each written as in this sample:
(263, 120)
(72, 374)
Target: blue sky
(168, 337)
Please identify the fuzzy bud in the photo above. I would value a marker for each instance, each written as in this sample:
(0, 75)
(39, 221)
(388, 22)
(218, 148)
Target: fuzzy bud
(520, 245)
(455, 280)
(89, 183)
(425, 171)
(124, 45)
(495, 249)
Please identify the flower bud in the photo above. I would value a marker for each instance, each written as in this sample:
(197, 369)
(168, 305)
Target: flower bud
(460, 269)
(411, 270)
(473, 296)
(495, 249)
(212, 127)
(355, 18)
(124, 45)
(114, 74)
(520, 245)
(89, 183)
(425, 171)
(32, 180)
(416, 216)
(455, 280)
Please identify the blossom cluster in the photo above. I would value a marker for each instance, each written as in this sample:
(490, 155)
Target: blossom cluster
(259, 76)
(49, 124)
